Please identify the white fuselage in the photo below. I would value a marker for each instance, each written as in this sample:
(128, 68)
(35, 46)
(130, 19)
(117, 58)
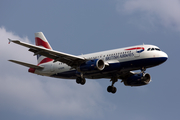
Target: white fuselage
(123, 59)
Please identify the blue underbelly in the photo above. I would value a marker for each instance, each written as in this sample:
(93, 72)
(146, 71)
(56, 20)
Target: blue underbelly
(114, 67)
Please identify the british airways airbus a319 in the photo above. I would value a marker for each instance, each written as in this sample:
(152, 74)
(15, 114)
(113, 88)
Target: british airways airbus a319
(112, 64)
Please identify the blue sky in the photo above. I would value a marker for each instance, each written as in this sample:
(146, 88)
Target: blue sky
(80, 27)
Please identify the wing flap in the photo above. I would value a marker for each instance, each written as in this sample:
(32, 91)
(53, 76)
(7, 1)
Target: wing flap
(26, 64)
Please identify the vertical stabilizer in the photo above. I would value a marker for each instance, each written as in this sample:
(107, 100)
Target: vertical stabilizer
(41, 40)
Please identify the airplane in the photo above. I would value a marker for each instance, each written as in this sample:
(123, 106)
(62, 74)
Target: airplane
(111, 64)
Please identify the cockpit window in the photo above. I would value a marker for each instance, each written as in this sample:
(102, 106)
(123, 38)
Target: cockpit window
(151, 49)
(157, 49)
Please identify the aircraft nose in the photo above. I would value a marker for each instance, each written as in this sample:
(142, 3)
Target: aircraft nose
(164, 56)
(161, 58)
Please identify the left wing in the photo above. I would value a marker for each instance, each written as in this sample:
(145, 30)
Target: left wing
(69, 59)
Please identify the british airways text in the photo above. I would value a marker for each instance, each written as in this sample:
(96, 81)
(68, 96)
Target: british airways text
(119, 56)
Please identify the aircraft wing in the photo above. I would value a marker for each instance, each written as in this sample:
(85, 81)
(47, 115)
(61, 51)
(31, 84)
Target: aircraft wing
(69, 59)
(26, 64)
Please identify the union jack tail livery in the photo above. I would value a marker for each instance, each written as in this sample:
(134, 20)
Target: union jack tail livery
(41, 40)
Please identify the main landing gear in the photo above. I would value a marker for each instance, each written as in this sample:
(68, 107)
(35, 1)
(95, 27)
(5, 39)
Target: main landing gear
(80, 80)
(111, 88)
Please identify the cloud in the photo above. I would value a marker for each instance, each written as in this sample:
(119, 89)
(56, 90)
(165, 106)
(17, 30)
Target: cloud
(163, 12)
(23, 93)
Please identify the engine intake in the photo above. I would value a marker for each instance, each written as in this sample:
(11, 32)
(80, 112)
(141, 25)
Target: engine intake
(92, 66)
(138, 80)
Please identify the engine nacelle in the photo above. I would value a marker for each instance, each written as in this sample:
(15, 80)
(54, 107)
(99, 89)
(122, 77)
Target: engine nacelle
(138, 80)
(92, 66)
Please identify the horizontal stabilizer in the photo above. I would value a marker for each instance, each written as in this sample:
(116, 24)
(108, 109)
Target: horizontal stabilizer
(27, 64)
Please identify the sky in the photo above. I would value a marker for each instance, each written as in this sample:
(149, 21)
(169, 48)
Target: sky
(86, 26)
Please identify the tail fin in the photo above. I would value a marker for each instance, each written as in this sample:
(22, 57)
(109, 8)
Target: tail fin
(41, 40)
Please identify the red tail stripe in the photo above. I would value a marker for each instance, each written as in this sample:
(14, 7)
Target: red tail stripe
(40, 42)
(45, 60)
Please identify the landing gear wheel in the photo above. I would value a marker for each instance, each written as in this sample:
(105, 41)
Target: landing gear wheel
(114, 90)
(81, 81)
(78, 80)
(111, 89)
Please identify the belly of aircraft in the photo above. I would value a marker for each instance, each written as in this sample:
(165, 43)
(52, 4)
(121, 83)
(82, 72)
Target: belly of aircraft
(112, 68)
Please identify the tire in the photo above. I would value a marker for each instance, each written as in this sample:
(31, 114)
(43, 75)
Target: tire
(78, 80)
(83, 81)
(114, 90)
(109, 88)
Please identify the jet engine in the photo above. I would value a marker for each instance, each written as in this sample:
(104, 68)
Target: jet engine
(92, 66)
(138, 79)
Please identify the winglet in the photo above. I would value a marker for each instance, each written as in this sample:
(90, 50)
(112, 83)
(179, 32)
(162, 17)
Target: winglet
(9, 40)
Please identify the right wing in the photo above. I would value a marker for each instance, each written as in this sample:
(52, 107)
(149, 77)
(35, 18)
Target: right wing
(69, 59)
